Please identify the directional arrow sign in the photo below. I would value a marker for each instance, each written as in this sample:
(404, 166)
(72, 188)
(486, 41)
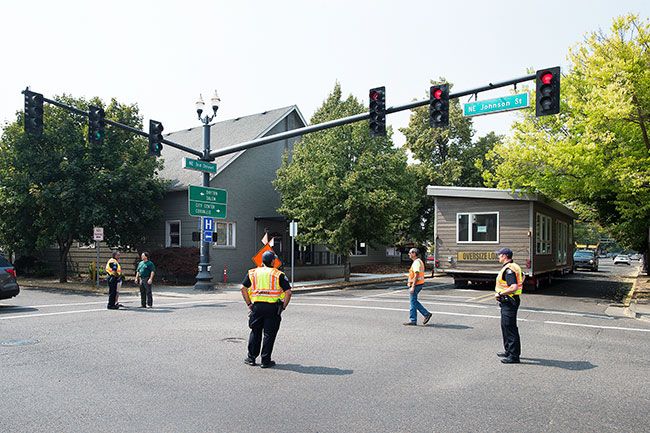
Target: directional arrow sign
(207, 202)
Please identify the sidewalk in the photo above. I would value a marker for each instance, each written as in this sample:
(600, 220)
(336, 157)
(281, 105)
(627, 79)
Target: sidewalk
(298, 287)
(637, 302)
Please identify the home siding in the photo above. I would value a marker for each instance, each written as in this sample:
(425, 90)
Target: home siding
(513, 232)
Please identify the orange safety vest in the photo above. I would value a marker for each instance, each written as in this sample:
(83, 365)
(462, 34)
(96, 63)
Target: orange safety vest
(419, 273)
(265, 285)
(501, 282)
(109, 269)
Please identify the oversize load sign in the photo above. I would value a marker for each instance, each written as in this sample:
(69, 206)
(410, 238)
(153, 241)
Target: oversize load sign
(476, 256)
(207, 202)
(489, 106)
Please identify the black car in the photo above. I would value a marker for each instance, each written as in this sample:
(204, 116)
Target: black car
(586, 259)
(8, 284)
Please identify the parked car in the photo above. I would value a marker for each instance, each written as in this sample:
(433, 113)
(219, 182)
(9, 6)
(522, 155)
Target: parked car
(635, 257)
(586, 259)
(622, 259)
(8, 284)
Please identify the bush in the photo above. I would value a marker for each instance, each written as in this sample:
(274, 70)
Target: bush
(177, 265)
(33, 266)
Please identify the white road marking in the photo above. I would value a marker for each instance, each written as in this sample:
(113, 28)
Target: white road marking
(446, 313)
(59, 313)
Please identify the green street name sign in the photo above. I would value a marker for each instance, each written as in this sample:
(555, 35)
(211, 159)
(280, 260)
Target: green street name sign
(195, 164)
(489, 106)
(207, 202)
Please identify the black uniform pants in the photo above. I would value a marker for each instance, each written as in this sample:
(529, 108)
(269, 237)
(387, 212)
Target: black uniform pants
(146, 296)
(264, 320)
(509, 329)
(112, 291)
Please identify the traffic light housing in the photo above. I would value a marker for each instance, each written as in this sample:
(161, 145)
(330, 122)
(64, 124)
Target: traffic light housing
(96, 124)
(33, 113)
(439, 106)
(155, 138)
(547, 99)
(377, 103)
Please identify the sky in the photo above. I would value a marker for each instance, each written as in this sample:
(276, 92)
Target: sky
(260, 55)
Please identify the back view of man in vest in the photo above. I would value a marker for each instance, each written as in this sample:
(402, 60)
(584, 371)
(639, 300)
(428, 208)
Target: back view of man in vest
(267, 292)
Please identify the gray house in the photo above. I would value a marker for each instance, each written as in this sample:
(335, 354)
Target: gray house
(247, 176)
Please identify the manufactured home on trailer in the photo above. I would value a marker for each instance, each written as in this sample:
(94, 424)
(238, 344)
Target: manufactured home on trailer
(472, 223)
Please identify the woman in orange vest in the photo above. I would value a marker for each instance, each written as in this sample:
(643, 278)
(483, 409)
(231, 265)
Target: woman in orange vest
(415, 284)
(267, 292)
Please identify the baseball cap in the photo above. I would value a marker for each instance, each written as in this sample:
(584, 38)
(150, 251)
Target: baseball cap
(506, 251)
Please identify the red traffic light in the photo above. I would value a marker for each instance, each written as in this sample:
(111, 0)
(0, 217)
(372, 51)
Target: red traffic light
(374, 95)
(547, 78)
(437, 93)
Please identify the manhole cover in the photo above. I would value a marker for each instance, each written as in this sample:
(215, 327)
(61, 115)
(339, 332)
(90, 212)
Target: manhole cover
(18, 342)
(233, 340)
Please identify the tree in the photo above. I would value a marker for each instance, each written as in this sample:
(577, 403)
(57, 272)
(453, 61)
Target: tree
(344, 186)
(55, 188)
(596, 153)
(445, 157)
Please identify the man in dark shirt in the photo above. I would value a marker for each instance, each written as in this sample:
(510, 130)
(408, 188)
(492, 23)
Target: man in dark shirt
(509, 285)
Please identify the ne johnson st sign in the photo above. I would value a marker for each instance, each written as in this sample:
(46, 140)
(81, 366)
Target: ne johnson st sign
(496, 105)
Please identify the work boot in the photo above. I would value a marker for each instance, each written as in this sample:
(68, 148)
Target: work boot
(426, 319)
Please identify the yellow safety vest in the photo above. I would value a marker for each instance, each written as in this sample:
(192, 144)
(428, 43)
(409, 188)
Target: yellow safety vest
(420, 273)
(503, 285)
(265, 285)
(110, 270)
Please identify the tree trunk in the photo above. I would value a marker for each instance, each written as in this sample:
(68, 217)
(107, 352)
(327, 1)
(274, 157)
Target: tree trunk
(346, 267)
(63, 266)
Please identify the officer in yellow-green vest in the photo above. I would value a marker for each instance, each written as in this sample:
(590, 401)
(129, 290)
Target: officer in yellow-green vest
(509, 284)
(114, 272)
(267, 292)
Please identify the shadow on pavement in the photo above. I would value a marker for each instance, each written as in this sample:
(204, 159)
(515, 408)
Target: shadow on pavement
(566, 365)
(304, 369)
(9, 309)
(448, 326)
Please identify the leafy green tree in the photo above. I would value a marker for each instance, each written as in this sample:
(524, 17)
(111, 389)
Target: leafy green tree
(55, 188)
(596, 153)
(445, 157)
(344, 186)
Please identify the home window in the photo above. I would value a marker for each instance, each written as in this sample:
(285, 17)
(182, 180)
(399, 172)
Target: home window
(478, 227)
(542, 234)
(562, 242)
(226, 234)
(173, 234)
(360, 249)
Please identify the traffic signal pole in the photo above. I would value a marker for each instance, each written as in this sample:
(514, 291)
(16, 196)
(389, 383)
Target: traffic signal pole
(356, 118)
(122, 126)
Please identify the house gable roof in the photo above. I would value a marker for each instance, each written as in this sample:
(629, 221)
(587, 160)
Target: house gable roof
(496, 194)
(222, 134)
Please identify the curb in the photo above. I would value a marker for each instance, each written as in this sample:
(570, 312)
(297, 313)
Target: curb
(630, 303)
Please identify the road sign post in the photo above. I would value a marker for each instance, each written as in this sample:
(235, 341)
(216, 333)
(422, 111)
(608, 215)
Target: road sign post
(293, 232)
(98, 236)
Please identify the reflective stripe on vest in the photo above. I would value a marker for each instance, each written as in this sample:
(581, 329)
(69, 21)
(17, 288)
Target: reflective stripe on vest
(420, 276)
(265, 285)
(110, 270)
(503, 285)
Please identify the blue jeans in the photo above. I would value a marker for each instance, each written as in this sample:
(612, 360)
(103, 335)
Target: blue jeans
(416, 306)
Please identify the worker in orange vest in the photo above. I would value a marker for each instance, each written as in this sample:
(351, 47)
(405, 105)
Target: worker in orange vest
(415, 284)
(267, 292)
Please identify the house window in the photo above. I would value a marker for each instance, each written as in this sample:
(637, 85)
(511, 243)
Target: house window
(562, 242)
(542, 234)
(173, 234)
(226, 234)
(360, 249)
(477, 227)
